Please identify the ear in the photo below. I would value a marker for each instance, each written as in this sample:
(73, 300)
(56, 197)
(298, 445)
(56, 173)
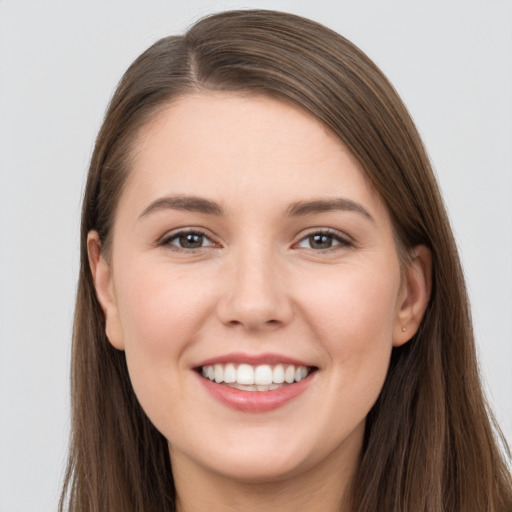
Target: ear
(103, 283)
(414, 295)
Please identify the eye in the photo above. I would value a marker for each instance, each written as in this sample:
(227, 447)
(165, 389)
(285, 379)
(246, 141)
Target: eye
(188, 240)
(322, 240)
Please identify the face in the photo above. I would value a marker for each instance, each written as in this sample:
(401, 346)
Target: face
(254, 284)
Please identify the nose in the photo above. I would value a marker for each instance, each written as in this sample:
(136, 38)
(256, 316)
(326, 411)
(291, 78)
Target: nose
(255, 296)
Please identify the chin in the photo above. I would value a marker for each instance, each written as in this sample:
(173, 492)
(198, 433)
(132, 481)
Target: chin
(256, 455)
(259, 467)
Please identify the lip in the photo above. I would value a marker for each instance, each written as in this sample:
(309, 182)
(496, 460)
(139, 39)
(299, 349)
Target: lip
(255, 401)
(252, 359)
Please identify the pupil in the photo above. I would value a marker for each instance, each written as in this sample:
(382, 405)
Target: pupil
(321, 241)
(191, 240)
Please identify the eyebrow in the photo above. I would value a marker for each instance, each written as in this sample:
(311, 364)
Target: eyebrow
(187, 203)
(299, 208)
(327, 205)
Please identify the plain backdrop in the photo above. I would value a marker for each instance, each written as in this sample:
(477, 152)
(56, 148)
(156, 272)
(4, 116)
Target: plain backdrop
(59, 63)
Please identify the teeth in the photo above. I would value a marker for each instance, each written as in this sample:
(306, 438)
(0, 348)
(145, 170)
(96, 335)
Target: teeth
(263, 377)
(245, 374)
(278, 374)
(218, 372)
(289, 374)
(229, 373)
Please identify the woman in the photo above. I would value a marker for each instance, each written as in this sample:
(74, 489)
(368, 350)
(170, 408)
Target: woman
(271, 312)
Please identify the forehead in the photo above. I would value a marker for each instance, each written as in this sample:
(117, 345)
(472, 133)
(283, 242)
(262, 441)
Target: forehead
(232, 145)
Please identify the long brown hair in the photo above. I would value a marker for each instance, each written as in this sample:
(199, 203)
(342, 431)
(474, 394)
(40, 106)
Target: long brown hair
(430, 444)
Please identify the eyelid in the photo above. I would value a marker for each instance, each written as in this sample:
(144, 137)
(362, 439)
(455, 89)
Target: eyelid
(343, 239)
(165, 241)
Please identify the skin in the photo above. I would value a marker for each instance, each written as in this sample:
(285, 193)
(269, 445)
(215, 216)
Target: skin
(257, 285)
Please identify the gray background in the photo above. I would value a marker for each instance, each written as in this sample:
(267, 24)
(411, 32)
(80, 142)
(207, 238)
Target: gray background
(59, 62)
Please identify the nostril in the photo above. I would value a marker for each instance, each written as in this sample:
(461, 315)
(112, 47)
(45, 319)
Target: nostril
(255, 323)
(255, 302)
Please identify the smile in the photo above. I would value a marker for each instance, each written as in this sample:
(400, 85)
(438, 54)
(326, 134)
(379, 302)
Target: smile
(255, 384)
(263, 377)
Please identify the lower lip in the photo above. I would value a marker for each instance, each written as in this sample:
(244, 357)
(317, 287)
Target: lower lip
(255, 401)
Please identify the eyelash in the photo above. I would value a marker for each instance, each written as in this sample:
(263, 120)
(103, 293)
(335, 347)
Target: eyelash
(333, 236)
(167, 241)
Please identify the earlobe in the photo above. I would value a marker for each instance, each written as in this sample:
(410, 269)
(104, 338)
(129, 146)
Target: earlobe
(415, 295)
(101, 273)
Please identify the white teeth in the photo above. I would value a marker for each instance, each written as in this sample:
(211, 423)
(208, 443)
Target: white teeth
(229, 373)
(278, 374)
(289, 374)
(219, 374)
(245, 374)
(242, 387)
(262, 377)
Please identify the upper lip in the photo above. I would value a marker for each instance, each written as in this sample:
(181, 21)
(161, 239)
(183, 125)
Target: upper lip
(252, 359)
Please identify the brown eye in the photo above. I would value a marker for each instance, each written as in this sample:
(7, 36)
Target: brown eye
(322, 241)
(188, 240)
(191, 240)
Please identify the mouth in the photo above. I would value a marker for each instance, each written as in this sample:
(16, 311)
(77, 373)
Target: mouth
(255, 378)
(255, 383)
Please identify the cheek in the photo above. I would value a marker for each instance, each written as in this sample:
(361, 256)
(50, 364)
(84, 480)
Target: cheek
(352, 302)
(161, 313)
(159, 309)
(353, 314)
